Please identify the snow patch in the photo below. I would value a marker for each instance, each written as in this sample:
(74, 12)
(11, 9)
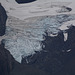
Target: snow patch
(69, 50)
(67, 25)
(65, 36)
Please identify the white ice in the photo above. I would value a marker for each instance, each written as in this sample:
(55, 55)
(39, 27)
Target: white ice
(36, 8)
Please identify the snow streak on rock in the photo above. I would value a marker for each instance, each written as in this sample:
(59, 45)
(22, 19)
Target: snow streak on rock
(65, 36)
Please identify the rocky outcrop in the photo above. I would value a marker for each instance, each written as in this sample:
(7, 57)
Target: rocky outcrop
(6, 61)
(3, 18)
(24, 1)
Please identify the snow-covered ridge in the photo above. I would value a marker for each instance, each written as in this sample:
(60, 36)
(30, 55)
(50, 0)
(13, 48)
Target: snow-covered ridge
(37, 8)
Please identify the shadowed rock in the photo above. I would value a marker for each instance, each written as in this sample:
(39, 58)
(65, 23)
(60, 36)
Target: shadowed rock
(3, 18)
(6, 61)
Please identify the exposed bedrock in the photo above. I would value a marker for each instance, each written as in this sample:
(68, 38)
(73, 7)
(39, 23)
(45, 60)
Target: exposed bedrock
(69, 9)
(3, 18)
(24, 1)
(7, 62)
(56, 55)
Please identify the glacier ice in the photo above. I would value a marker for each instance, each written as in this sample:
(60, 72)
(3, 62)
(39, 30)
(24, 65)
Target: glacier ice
(24, 36)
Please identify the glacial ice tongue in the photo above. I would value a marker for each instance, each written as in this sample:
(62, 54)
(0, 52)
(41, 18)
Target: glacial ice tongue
(24, 36)
(22, 47)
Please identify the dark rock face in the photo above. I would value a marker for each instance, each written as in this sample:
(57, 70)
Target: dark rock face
(24, 1)
(3, 18)
(22, 69)
(68, 8)
(6, 61)
(55, 58)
